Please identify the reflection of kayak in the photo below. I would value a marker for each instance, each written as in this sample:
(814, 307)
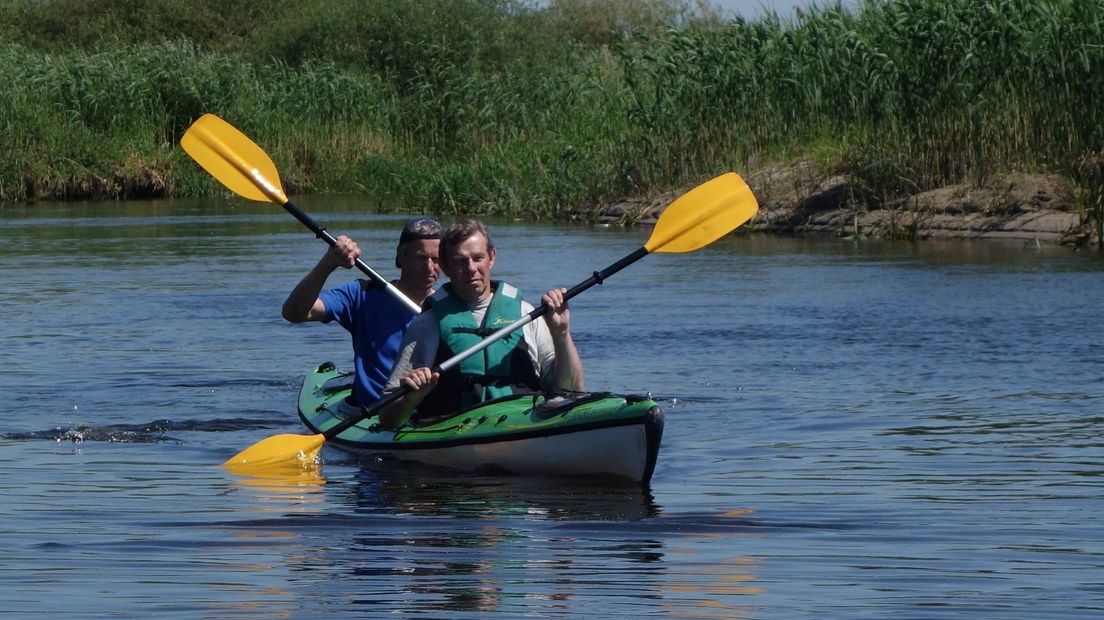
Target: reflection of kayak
(465, 495)
(588, 435)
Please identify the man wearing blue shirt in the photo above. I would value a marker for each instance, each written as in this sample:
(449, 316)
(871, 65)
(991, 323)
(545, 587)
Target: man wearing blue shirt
(374, 318)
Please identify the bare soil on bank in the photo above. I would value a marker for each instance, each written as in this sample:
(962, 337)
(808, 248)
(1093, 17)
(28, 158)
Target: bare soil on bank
(794, 199)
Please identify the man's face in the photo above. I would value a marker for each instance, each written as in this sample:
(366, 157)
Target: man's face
(468, 267)
(418, 260)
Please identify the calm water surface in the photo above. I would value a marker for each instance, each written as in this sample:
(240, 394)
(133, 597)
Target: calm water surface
(855, 430)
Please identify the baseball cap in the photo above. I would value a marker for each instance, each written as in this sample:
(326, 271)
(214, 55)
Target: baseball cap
(421, 228)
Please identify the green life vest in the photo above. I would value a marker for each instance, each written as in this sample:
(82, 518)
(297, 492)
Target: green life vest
(503, 368)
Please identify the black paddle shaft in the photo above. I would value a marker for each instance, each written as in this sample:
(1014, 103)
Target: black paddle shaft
(598, 277)
(324, 235)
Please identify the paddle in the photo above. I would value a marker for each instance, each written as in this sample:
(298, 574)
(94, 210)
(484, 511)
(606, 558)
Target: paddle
(239, 164)
(696, 219)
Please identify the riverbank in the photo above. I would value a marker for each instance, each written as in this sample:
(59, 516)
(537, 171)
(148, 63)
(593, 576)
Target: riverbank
(494, 109)
(795, 199)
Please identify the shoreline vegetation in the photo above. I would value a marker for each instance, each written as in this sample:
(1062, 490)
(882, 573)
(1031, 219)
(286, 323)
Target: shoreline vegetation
(901, 119)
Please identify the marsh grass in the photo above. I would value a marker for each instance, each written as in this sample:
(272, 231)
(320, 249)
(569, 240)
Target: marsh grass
(497, 107)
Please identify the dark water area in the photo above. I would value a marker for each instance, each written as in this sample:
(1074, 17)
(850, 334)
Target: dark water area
(854, 430)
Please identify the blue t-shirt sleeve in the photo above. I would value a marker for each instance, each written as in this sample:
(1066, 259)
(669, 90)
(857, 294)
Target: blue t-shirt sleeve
(377, 322)
(343, 303)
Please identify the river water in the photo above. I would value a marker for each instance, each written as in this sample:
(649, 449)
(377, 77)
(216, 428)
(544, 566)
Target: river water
(854, 430)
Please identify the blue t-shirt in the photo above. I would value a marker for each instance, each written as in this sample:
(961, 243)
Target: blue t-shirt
(376, 321)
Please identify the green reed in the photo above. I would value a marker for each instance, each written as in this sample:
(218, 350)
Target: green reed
(499, 107)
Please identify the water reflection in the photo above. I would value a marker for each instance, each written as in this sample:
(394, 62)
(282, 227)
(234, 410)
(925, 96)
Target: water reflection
(506, 567)
(280, 490)
(455, 572)
(460, 543)
(520, 546)
(437, 493)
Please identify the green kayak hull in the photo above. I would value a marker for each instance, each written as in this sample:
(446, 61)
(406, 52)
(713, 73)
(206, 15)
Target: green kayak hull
(588, 435)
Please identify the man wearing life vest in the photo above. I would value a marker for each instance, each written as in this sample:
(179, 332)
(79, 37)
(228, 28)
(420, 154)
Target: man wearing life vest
(539, 356)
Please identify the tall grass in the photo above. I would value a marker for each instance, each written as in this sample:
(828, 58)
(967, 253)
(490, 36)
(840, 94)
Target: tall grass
(913, 93)
(497, 106)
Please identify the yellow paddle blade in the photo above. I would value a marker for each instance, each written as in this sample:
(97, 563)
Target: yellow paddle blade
(232, 158)
(703, 215)
(278, 452)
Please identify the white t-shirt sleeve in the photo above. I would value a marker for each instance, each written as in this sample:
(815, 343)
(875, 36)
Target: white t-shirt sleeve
(418, 349)
(539, 342)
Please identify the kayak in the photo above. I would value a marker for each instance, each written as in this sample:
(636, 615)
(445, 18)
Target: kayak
(592, 435)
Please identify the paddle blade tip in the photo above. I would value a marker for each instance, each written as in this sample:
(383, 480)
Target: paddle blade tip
(286, 451)
(703, 215)
(233, 159)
